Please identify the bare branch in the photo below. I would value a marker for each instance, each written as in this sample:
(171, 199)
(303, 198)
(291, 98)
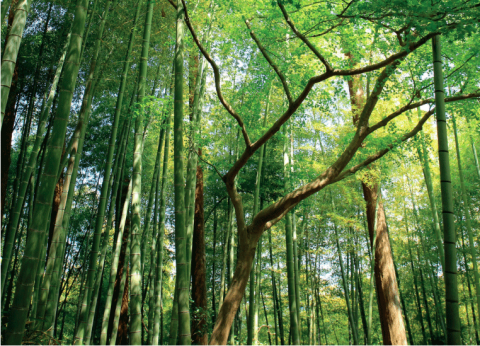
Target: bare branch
(208, 163)
(270, 62)
(303, 38)
(216, 73)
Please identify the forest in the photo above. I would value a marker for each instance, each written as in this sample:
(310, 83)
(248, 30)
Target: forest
(282, 172)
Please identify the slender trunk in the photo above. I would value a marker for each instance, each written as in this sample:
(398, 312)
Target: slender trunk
(231, 260)
(86, 306)
(6, 138)
(32, 162)
(466, 210)
(417, 295)
(47, 183)
(274, 293)
(345, 290)
(472, 305)
(8, 298)
(292, 302)
(10, 51)
(158, 328)
(148, 213)
(215, 221)
(182, 283)
(266, 319)
(402, 300)
(83, 268)
(5, 6)
(225, 253)
(121, 304)
(54, 255)
(199, 288)
(135, 251)
(6, 143)
(154, 251)
(451, 287)
(119, 238)
(125, 315)
(197, 78)
(423, 154)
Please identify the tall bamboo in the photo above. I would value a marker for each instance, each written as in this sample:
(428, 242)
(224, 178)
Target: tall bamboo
(192, 155)
(161, 232)
(5, 6)
(135, 250)
(468, 222)
(118, 242)
(116, 117)
(10, 51)
(153, 249)
(16, 325)
(292, 303)
(345, 289)
(182, 281)
(451, 287)
(32, 163)
(423, 154)
(417, 295)
(372, 280)
(123, 280)
(86, 104)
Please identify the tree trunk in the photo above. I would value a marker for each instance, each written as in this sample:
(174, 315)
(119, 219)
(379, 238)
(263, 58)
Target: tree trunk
(6, 138)
(292, 301)
(122, 333)
(235, 293)
(122, 283)
(393, 330)
(182, 283)
(351, 320)
(468, 222)
(158, 328)
(451, 287)
(10, 52)
(423, 154)
(199, 288)
(417, 294)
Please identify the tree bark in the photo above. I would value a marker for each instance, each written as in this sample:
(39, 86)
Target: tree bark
(393, 330)
(199, 288)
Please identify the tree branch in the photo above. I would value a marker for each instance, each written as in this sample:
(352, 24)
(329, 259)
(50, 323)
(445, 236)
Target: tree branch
(403, 53)
(270, 62)
(303, 38)
(216, 73)
(380, 153)
(409, 106)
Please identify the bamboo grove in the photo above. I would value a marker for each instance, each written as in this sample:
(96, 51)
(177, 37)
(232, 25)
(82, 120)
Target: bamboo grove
(254, 172)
